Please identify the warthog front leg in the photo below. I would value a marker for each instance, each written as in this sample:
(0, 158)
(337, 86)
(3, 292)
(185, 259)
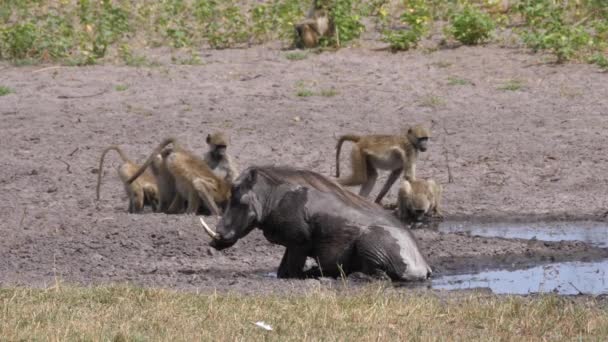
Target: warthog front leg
(292, 264)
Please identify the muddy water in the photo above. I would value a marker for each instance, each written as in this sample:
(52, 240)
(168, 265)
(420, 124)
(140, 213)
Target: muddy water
(567, 278)
(591, 232)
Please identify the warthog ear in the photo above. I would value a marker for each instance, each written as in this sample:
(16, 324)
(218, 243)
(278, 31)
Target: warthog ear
(252, 176)
(251, 200)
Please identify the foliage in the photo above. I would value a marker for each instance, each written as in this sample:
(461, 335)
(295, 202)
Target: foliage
(417, 17)
(5, 90)
(77, 32)
(600, 60)
(552, 26)
(470, 26)
(346, 22)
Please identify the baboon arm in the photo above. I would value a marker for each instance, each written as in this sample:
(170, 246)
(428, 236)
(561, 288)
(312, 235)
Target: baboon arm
(409, 170)
(392, 178)
(176, 205)
(201, 187)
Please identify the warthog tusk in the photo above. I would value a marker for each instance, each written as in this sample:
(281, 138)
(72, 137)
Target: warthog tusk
(208, 230)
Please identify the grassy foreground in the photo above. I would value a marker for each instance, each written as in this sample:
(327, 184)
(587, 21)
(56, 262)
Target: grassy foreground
(122, 313)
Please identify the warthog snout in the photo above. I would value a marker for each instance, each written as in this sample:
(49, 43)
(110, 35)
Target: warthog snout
(218, 241)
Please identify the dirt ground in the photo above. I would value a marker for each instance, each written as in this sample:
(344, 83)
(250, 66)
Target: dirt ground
(536, 152)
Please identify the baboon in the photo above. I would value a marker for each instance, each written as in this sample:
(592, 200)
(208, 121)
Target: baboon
(194, 180)
(166, 184)
(418, 198)
(316, 25)
(218, 159)
(397, 153)
(142, 192)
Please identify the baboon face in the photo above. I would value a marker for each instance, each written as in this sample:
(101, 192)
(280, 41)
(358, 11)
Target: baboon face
(217, 142)
(419, 206)
(419, 137)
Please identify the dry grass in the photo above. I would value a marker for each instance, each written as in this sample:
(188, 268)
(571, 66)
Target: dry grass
(122, 313)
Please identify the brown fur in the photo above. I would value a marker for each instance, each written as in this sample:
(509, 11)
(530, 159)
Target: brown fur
(142, 192)
(316, 25)
(395, 153)
(195, 182)
(166, 183)
(419, 198)
(218, 159)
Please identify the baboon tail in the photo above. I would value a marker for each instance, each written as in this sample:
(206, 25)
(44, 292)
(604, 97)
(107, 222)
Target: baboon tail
(103, 156)
(150, 159)
(341, 140)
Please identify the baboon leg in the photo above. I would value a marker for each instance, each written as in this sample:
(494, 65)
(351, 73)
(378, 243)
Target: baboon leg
(372, 176)
(193, 202)
(152, 197)
(392, 178)
(201, 187)
(136, 202)
(358, 165)
(177, 205)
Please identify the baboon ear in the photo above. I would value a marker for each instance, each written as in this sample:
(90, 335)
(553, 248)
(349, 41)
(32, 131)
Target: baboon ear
(208, 138)
(409, 131)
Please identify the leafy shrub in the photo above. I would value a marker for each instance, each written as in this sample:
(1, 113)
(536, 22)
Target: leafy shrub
(18, 41)
(417, 17)
(470, 26)
(347, 23)
(600, 60)
(548, 29)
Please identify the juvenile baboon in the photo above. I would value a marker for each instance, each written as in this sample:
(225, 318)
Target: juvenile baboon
(418, 198)
(194, 180)
(316, 25)
(218, 159)
(142, 192)
(397, 153)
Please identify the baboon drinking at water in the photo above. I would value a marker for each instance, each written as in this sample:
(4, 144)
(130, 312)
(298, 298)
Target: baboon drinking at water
(195, 182)
(418, 198)
(142, 192)
(316, 25)
(396, 153)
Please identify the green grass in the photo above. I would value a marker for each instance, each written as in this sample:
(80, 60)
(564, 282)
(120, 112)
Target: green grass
(121, 87)
(5, 90)
(122, 313)
(457, 81)
(305, 93)
(296, 55)
(512, 85)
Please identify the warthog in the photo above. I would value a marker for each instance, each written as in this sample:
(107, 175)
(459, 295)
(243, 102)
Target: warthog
(312, 216)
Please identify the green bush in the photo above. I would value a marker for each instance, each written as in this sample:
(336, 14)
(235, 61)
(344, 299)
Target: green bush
(549, 28)
(18, 41)
(470, 26)
(347, 23)
(417, 17)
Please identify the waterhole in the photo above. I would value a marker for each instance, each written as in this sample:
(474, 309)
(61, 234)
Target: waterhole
(591, 232)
